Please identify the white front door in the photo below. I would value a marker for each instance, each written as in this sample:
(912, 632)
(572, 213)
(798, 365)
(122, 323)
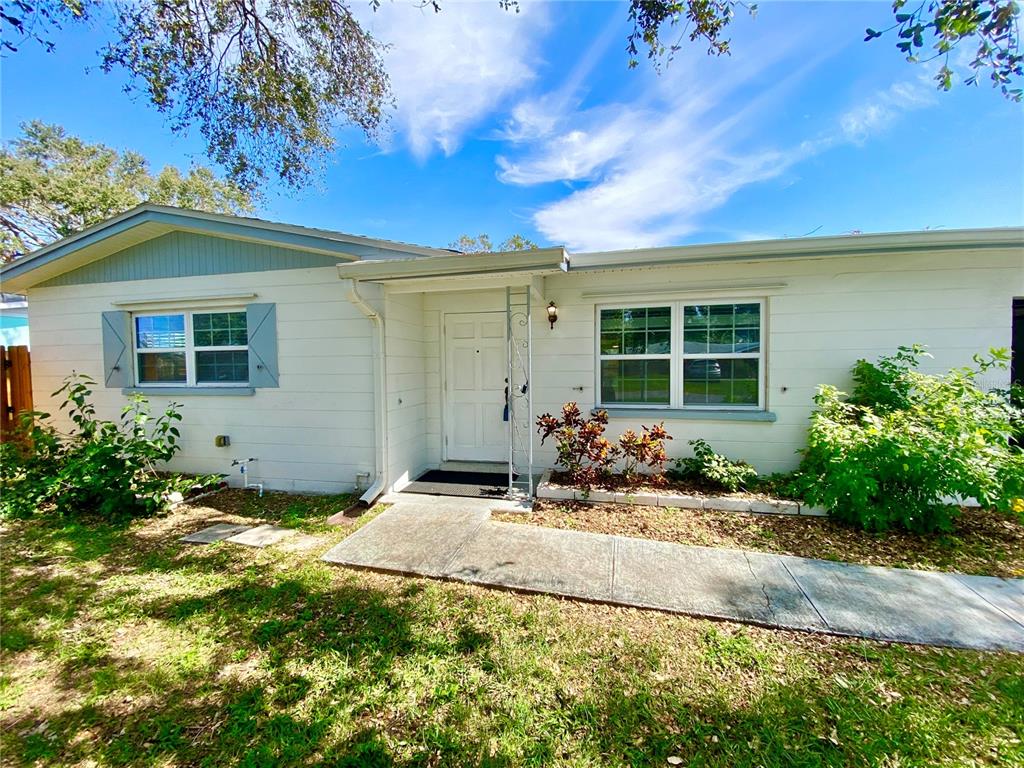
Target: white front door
(476, 363)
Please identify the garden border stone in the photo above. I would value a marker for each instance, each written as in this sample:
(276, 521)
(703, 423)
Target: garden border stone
(548, 490)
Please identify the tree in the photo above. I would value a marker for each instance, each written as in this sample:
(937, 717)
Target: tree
(482, 244)
(989, 24)
(266, 82)
(53, 185)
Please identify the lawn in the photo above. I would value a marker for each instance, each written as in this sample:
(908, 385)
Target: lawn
(983, 541)
(124, 647)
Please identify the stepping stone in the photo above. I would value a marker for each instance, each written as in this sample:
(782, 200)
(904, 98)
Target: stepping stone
(262, 536)
(217, 532)
(304, 542)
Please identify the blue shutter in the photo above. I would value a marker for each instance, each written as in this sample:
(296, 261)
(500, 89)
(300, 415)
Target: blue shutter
(261, 321)
(117, 349)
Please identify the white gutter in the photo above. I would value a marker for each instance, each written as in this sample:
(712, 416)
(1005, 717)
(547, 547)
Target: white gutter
(380, 394)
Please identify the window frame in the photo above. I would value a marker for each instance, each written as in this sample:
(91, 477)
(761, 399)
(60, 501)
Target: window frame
(678, 357)
(190, 349)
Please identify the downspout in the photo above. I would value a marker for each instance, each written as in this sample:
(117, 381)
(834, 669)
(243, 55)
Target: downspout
(380, 394)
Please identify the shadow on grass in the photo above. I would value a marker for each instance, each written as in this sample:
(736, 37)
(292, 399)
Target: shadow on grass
(317, 666)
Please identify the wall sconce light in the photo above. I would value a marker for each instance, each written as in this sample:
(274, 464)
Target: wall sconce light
(552, 314)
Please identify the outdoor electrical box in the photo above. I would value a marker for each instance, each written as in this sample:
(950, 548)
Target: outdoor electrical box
(222, 441)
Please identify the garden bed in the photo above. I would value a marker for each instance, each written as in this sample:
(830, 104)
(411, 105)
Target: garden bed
(554, 486)
(982, 541)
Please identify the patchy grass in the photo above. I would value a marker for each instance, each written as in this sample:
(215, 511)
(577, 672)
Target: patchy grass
(124, 647)
(983, 541)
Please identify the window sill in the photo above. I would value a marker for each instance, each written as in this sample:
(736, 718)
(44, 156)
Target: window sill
(690, 414)
(185, 391)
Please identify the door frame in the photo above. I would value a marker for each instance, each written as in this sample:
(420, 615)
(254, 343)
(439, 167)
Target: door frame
(443, 366)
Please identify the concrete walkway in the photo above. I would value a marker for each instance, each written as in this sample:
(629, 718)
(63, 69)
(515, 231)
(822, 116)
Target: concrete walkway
(448, 538)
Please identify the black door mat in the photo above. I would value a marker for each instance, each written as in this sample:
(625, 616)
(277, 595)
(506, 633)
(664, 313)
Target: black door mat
(442, 482)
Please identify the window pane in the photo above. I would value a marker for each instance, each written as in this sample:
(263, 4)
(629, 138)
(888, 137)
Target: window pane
(219, 329)
(611, 319)
(659, 317)
(695, 341)
(696, 315)
(162, 367)
(220, 367)
(720, 381)
(722, 328)
(644, 331)
(636, 381)
(160, 331)
(611, 343)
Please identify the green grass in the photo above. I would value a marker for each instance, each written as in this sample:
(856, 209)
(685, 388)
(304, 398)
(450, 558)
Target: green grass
(124, 647)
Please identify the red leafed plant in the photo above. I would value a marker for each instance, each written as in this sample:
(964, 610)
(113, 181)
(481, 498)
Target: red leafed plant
(583, 450)
(644, 450)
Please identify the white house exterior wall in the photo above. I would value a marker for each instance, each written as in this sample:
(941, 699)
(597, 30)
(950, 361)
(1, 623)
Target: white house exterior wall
(313, 433)
(828, 313)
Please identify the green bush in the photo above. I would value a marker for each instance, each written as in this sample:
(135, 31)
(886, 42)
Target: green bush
(710, 468)
(103, 468)
(903, 442)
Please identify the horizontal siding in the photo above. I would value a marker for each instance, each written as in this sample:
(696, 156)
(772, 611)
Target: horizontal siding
(314, 433)
(828, 314)
(407, 407)
(186, 254)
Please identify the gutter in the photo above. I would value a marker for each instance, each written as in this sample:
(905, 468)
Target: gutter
(380, 394)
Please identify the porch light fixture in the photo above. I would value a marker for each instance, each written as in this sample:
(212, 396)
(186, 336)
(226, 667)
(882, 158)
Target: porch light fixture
(552, 314)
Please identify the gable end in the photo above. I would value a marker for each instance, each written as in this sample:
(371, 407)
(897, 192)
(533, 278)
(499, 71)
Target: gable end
(186, 254)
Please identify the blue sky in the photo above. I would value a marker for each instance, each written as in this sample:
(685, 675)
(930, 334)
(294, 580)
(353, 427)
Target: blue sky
(532, 123)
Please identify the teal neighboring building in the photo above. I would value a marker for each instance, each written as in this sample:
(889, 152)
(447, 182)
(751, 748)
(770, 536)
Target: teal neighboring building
(13, 320)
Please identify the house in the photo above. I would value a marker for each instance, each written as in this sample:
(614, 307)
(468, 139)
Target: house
(339, 361)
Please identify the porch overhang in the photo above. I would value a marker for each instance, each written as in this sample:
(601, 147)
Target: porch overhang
(485, 269)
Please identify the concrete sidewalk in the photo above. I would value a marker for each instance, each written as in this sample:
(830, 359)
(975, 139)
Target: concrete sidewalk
(449, 538)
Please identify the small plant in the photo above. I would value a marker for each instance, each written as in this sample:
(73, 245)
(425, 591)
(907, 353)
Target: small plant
(894, 452)
(102, 467)
(584, 452)
(706, 466)
(644, 450)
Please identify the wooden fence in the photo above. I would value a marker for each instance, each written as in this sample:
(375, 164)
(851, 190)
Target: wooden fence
(15, 386)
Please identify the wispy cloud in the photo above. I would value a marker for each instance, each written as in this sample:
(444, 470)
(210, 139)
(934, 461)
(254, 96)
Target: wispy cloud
(450, 70)
(877, 112)
(643, 173)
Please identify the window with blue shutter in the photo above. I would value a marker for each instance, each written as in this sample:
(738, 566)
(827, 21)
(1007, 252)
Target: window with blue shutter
(206, 348)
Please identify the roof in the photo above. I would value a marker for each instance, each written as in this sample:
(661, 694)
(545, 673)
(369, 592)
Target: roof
(364, 258)
(459, 264)
(805, 248)
(147, 221)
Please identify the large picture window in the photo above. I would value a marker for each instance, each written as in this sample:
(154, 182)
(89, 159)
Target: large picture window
(192, 348)
(682, 355)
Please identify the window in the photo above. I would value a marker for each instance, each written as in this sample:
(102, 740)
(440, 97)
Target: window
(682, 355)
(192, 348)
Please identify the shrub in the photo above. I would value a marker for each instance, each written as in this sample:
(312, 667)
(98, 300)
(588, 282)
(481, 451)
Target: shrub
(583, 450)
(102, 467)
(903, 442)
(706, 466)
(644, 450)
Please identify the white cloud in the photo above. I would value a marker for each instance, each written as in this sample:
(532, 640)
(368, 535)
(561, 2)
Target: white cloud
(449, 70)
(877, 112)
(650, 167)
(646, 171)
